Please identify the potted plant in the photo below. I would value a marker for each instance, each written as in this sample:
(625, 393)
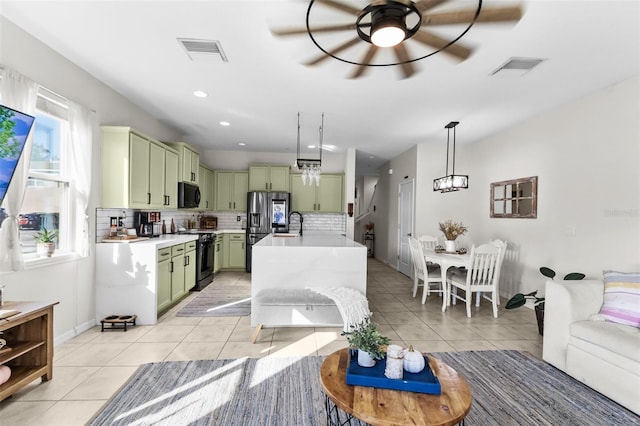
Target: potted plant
(451, 231)
(538, 302)
(365, 337)
(46, 242)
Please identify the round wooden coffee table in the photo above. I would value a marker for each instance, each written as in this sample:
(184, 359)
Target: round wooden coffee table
(391, 407)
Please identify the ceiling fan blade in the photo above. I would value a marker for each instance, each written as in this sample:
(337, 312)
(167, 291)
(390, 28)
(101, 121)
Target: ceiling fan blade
(334, 51)
(501, 14)
(367, 58)
(324, 29)
(341, 6)
(459, 51)
(403, 56)
(425, 5)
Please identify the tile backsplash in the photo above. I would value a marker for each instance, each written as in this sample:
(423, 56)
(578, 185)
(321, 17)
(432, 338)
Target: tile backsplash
(226, 220)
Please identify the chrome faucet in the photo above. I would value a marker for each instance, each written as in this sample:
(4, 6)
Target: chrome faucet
(301, 219)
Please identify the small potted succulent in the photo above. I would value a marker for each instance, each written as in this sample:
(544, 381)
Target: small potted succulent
(365, 337)
(451, 231)
(46, 242)
(538, 302)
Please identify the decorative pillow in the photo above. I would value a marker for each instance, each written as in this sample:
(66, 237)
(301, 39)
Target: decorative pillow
(621, 298)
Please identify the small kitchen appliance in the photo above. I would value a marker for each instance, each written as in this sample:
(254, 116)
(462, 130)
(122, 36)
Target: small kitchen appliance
(147, 224)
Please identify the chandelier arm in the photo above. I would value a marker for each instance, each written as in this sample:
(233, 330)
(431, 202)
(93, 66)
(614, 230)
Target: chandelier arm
(453, 163)
(298, 156)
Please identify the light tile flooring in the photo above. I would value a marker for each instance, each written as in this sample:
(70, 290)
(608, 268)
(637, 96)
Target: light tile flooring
(90, 368)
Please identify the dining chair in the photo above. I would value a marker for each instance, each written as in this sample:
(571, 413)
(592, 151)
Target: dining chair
(502, 246)
(481, 276)
(422, 272)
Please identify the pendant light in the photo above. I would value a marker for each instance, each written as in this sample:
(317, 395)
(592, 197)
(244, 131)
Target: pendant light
(310, 168)
(451, 182)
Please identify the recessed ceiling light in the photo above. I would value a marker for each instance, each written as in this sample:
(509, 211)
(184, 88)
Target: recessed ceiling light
(311, 146)
(200, 94)
(242, 144)
(372, 156)
(225, 123)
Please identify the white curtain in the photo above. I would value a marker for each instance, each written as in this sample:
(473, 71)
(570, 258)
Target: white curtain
(82, 125)
(20, 93)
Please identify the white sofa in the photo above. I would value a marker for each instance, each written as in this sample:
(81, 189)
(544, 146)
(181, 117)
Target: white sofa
(603, 355)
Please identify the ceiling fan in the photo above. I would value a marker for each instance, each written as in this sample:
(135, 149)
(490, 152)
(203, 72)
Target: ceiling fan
(395, 24)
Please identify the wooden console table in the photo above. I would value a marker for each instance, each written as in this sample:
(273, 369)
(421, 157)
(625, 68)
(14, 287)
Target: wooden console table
(29, 349)
(391, 407)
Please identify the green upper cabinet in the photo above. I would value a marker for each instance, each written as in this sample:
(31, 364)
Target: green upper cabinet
(231, 190)
(133, 170)
(171, 167)
(326, 198)
(189, 169)
(206, 189)
(263, 177)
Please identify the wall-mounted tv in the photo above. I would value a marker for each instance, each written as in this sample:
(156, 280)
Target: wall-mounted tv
(14, 130)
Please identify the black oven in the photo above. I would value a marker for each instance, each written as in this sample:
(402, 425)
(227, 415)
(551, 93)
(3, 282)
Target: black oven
(204, 260)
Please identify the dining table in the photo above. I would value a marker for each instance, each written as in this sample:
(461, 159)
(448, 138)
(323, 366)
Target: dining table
(446, 260)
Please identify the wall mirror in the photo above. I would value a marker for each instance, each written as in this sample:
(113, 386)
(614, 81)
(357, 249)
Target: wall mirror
(517, 198)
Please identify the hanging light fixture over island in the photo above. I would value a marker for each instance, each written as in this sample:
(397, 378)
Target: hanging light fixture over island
(310, 167)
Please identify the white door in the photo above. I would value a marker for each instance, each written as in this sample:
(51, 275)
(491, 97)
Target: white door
(405, 226)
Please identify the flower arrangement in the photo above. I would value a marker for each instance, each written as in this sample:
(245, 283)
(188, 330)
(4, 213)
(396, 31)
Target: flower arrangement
(452, 230)
(366, 337)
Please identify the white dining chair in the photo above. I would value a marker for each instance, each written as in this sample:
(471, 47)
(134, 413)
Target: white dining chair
(481, 276)
(502, 246)
(422, 272)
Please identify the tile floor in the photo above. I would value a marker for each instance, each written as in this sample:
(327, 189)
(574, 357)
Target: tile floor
(91, 367)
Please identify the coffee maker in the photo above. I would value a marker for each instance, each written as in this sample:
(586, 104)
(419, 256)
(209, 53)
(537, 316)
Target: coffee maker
(147, 224)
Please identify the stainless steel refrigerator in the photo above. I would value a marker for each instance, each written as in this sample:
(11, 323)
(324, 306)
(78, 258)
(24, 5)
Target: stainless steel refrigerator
(267, 212)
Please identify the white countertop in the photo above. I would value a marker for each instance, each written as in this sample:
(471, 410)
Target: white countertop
(166, 240)
(312, 240)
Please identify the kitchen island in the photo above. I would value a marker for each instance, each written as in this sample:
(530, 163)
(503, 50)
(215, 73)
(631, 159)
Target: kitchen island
(285, 267)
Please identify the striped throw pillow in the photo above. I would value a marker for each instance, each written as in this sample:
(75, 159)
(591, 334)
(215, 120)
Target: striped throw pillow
(621, 298)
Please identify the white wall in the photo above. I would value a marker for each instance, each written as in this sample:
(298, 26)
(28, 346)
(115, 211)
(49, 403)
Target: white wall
(385, 201)
(72, 282)
(586, 155)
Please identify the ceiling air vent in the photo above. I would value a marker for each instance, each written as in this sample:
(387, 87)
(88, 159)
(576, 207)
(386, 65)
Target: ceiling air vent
(516, 67)
(201, 49)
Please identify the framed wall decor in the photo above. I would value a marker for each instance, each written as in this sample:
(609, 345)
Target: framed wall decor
(516, 198)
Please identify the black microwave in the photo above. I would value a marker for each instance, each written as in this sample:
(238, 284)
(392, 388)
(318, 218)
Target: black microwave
(188, 196)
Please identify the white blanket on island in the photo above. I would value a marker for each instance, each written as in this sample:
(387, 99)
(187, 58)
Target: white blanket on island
(352, 305)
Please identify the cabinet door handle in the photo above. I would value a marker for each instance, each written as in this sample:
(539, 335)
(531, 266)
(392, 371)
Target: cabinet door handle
(229, 204)
(266, 185)
(148, 198)
(186, 260)
(171, 266)
(234, 204)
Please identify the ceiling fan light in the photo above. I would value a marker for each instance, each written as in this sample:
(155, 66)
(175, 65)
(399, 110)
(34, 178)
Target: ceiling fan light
(388, 27)
(387, 36)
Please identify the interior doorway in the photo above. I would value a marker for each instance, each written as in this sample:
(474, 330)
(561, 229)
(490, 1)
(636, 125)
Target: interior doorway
(405, 226)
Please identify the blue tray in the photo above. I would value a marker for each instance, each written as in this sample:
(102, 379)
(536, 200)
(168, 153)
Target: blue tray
(422, 382)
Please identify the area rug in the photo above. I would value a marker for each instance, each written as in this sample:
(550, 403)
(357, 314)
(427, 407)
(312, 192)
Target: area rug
(508, 388)
(223, 298)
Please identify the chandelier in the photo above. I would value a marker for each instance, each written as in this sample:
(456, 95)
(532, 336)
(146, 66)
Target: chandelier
(451, 182)
(310, 167)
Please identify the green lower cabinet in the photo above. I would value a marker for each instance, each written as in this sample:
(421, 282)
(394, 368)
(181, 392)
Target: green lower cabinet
(164, 278)
(217, 256)
(190, 265)
(177, 277)
(233, 250)
(236, 253)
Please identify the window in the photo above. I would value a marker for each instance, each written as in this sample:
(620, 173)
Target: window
(46, 200)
